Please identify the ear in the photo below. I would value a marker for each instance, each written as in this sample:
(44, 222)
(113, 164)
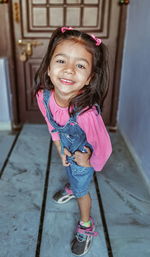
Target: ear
(48, 71)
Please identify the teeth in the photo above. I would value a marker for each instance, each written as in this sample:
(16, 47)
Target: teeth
(66, 80)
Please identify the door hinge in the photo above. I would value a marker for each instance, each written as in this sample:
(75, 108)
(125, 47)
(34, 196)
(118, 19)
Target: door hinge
(16, 11)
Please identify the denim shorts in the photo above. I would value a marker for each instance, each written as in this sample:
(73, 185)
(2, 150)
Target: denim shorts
(79, 179)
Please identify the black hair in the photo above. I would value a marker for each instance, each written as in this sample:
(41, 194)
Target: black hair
(96, 91)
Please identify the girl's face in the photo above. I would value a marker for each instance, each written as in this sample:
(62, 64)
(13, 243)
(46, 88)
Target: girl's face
(70, 68)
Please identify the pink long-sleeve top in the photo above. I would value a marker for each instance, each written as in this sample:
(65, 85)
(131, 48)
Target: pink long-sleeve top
(90, 121)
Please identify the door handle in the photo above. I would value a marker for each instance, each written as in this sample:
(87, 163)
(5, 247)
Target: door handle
(27, 47)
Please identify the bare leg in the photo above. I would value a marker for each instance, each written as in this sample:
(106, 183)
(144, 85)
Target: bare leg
(85, 207)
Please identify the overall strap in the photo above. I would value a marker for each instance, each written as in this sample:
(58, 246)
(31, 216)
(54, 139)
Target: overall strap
(98, 108)
(73, 117)
(46, 96)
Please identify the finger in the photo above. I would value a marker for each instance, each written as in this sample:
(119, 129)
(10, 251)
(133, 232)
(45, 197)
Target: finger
(65, 163)
(67, 152)
(64, 160)
(87, 149)
(80, 155)
(77, 153)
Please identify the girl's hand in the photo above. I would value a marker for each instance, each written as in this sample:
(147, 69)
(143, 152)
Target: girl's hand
(64, 156)
(82, 158)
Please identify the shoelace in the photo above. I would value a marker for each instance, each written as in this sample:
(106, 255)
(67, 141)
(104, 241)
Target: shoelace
(81, 237)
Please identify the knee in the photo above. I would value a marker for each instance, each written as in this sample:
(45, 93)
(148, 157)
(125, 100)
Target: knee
(85, 196)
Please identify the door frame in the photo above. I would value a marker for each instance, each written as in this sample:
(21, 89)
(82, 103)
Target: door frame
(117, 75)
(118, 66)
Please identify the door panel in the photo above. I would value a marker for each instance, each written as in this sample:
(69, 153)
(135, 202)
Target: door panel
(38, 19)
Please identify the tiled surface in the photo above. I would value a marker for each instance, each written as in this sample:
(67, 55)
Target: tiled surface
(125, 198)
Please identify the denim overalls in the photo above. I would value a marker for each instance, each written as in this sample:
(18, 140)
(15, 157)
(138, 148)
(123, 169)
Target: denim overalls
(74, 139)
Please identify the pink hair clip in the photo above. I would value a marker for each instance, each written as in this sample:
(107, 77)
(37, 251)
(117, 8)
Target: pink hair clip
(98, 40)
(63, 29)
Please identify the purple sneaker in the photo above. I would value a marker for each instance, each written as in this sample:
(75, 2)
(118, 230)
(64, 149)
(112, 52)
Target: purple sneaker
(83, 239)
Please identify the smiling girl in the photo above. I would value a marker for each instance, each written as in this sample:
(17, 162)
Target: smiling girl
(71, 85)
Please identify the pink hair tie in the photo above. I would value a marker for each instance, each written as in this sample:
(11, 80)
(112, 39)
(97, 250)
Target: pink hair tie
(98, 40)
(63, 29)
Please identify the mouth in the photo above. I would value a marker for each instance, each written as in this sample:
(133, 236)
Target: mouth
(67, 82)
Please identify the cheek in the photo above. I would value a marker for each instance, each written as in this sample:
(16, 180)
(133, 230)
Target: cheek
(87, 77)
(51, 69)
(51, 73)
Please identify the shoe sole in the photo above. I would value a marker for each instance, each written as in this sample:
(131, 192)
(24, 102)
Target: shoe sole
(65, 201)
(86, 250)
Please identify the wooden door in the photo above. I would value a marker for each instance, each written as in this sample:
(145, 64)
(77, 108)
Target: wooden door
(34, 21)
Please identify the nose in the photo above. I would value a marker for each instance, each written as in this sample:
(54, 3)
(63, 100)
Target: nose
(69, 69)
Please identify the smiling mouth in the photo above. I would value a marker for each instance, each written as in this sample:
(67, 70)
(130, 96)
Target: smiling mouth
(67, 81)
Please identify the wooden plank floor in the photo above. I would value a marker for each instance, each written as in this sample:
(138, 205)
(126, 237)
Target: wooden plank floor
(32, 225)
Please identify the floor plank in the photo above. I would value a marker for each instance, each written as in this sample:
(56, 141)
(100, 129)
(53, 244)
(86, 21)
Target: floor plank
(61, 220)
(6, 142)
(126, 203)
(21, 188)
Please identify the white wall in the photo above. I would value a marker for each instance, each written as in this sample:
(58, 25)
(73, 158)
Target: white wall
(134, 106)
(5, 112)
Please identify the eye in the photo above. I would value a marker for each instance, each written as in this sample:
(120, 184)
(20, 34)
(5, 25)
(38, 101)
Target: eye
(60, 61)
(80, 66)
